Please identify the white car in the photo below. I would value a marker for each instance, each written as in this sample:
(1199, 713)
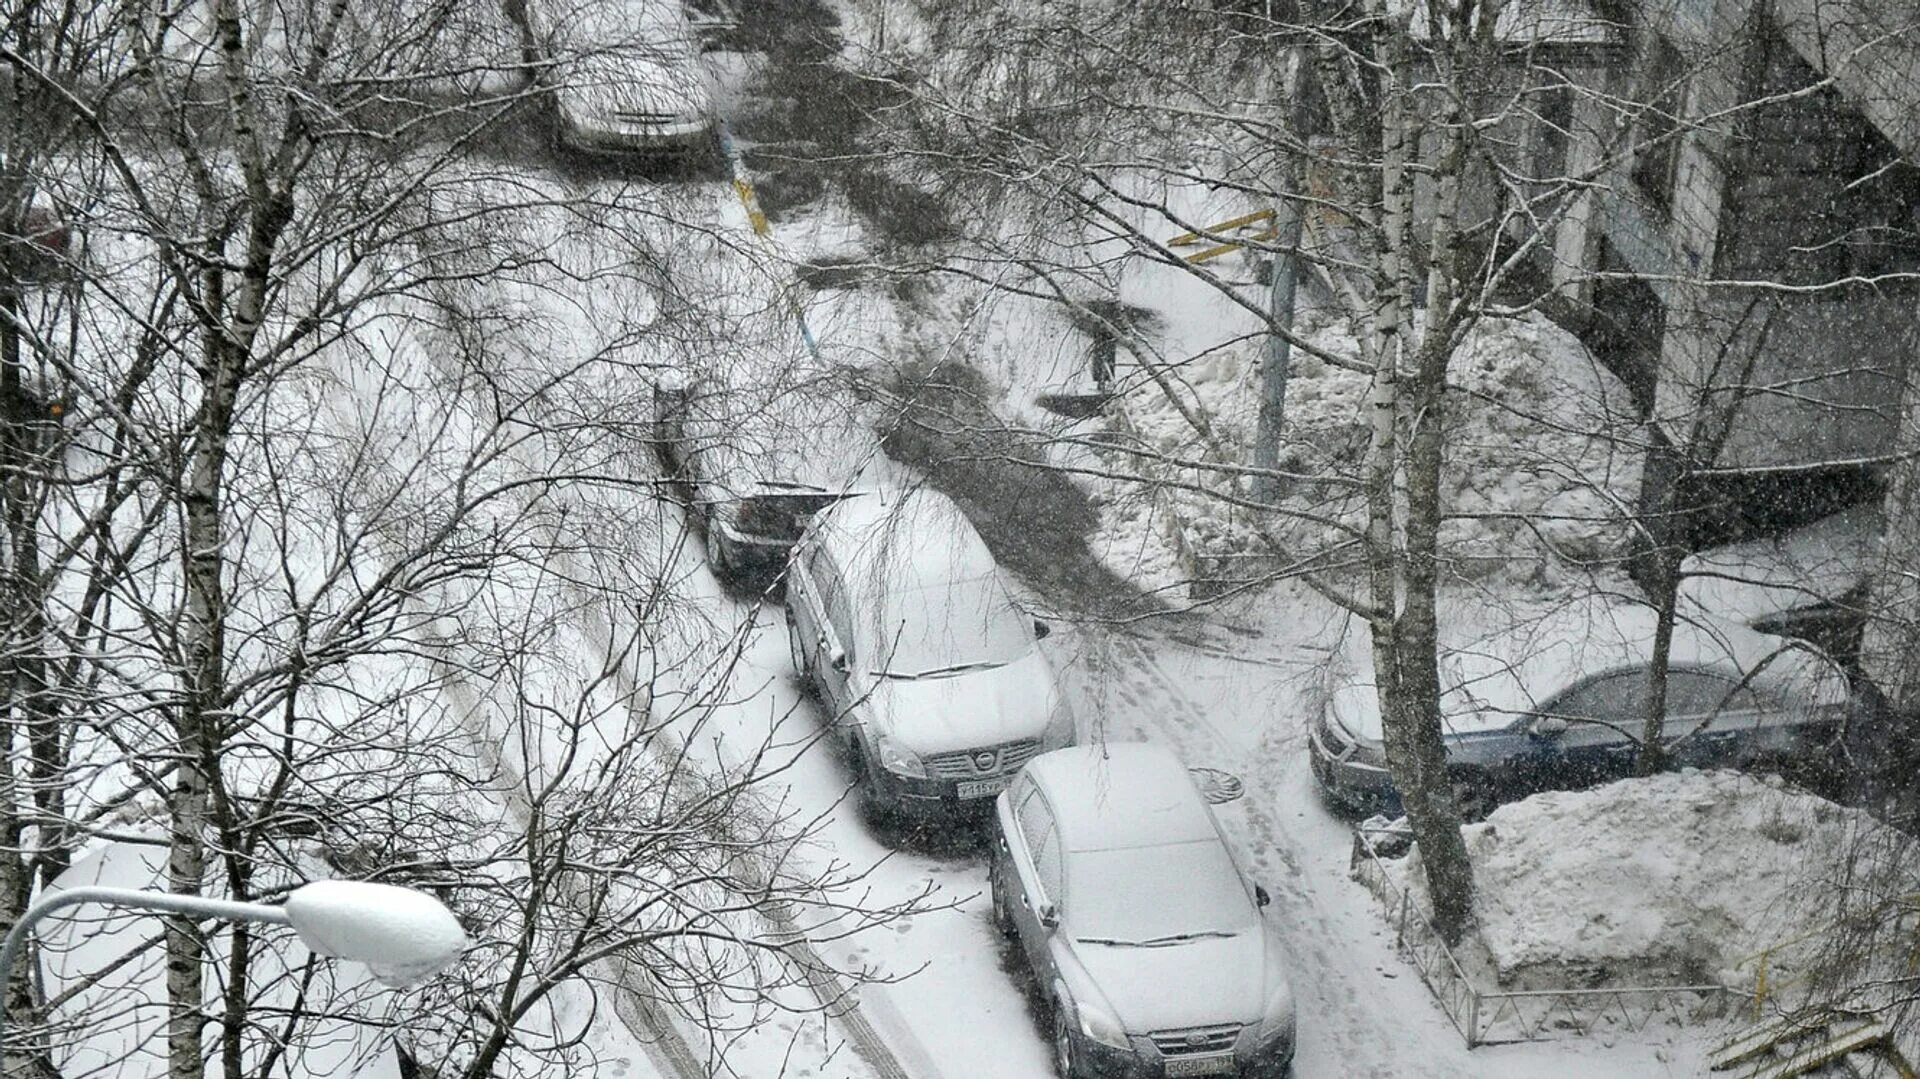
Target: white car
(1152, 947)
(626, 74)
(900, 622)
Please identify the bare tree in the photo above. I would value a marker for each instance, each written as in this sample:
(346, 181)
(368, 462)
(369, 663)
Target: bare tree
(369, 546)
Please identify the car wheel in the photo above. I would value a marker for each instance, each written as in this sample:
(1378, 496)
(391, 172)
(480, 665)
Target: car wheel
(1063, 1042)
(1002, 916)
(876, 813)
(1473, 797)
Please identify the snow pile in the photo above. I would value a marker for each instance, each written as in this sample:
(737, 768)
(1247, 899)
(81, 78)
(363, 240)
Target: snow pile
(1541, 461)
(1678, 878)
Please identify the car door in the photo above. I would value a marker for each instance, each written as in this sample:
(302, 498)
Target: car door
(1590, 733)
(837, 666)
(1714, 721)
(807, 605)
(1037, 868)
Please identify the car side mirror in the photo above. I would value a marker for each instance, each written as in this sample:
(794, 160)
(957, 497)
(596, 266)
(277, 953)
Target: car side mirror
(1041, 629)
(838, 661)
(1260, 896)
(1049, 915)
(1547, 727)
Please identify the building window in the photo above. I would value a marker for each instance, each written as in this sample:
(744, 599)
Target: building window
(1663, 90)
(1814, 193)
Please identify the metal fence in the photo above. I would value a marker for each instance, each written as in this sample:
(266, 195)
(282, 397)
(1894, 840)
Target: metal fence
(1493, 1017)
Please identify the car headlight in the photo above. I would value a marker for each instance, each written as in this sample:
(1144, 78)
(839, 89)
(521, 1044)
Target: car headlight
(1348, 745)
(1062, 727)
(900, 760)
(1278, 1020)
(1103, 1028)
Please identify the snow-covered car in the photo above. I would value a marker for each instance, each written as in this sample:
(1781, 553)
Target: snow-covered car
(1559, 702)
(932, 673)
(1151, 945)
(1809, 582)
(626, 75)
(759, 463)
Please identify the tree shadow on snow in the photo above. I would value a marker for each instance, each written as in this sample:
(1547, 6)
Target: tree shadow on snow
(1034, 518)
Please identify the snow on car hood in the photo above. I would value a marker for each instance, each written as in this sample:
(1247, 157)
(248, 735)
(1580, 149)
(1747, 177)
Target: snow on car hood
(1201, 982)
(1498, 664)
(967, 710)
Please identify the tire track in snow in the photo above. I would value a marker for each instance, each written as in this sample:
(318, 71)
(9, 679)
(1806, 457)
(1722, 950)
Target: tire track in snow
(840, 1003)
(636, 1006)
(1346, 1016)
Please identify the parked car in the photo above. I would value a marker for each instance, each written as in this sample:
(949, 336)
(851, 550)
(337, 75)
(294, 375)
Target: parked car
(1559, 702)
(626, 75)
(758, 464)
(1152, 947)
(900, 622)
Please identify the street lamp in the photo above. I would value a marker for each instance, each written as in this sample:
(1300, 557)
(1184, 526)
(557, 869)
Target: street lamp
(403, 935)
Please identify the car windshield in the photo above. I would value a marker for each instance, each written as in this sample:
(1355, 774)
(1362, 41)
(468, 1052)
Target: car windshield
(946, 627)
(1156, 895)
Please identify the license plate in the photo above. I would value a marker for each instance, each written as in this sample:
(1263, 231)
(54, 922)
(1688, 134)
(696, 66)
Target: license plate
(981, 788)
(1214, 1065)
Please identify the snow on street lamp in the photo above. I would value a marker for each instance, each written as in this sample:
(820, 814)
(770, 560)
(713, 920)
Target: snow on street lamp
(403, 935)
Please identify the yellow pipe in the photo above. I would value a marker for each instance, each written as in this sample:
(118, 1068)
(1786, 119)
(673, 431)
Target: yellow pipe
(1187, 238)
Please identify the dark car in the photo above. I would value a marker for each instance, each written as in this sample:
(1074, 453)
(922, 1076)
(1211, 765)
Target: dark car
(1560, 701)
(1153, 949)
(758, 464)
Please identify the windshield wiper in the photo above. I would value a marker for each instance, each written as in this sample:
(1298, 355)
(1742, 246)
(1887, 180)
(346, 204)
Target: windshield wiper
(1109, 940)
(1177, 938)
(976, 665)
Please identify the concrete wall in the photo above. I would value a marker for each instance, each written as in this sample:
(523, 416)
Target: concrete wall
(1806, 378)
(1768, 195)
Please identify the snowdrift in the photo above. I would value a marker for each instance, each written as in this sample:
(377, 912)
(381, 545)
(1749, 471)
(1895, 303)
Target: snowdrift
(1684, 878)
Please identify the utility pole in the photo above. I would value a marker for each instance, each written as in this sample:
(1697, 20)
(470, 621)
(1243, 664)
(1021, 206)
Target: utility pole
(1276, 362)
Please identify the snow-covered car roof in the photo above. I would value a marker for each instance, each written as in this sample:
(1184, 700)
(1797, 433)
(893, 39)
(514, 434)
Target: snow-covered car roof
(1817, 564)
(904, 539)
(623, 55)
(1122, 796)
(811, 437)
(1498, 665)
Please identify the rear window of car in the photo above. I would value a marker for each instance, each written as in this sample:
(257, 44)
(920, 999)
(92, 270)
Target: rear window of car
(779, 516)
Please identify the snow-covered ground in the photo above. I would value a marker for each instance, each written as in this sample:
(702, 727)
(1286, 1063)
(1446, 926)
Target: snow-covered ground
(1232, 689)
(1543, 462)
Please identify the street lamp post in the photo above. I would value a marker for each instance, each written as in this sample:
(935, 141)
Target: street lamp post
(403, 935)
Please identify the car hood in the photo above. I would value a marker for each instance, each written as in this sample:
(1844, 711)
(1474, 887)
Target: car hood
(967, 710)
(1208, 981)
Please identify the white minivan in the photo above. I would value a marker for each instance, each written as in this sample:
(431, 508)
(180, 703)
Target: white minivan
(899, 620)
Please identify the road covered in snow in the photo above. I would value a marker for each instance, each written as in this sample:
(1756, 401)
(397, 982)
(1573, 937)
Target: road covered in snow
(1227, 687)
